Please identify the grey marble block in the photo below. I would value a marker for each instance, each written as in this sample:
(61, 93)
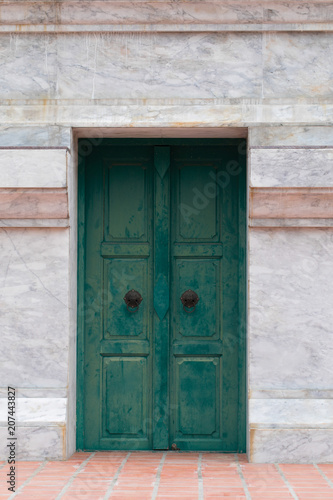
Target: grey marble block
(33, 168)
(297, 64)
(47, 136)
(291, 445)
(291, 413)
(159, 66)
(290, 309)
(36, 443)
(289, 135)
(35, 411)
(291, 167)
(34, 319)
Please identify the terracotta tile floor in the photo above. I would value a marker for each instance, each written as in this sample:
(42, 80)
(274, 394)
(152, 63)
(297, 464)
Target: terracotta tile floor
(166, 476)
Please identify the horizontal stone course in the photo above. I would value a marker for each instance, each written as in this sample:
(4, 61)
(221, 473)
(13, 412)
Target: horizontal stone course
(290, 136)
(147, 12)
(31, 203)
(34, 136)
(293, 203)
(226, 66)
(291, 413)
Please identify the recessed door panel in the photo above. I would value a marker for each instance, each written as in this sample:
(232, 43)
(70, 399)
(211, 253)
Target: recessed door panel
(197, 398)
(197, 202)
(127, 220)
(125, 401)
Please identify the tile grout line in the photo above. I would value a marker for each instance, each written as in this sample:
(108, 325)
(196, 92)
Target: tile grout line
(71, 479)
(27, 481)
(200, 478)
(322, 473)
(158, 476)
(115, 477)
(291, 491)
(241, 475)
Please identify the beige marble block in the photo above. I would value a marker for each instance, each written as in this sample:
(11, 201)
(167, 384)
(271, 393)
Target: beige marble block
(294, 203)
(33, 203)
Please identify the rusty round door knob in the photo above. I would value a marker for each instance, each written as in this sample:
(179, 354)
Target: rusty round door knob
(132, 300)
(189, 300)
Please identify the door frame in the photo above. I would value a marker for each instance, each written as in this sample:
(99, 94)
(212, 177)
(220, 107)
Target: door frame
(242, 270)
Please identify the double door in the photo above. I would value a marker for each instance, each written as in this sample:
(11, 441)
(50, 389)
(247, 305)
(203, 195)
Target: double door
(160, 360)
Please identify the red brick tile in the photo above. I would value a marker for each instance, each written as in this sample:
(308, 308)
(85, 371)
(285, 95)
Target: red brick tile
(178, 479)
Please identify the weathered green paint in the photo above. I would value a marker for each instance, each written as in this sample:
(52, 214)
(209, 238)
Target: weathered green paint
(160, 217)
(204, 232)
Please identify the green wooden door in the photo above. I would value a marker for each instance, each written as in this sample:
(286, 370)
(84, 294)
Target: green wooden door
(160, 218)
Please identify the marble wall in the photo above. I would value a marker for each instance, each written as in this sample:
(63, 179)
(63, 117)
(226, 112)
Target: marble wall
(169, 79)
(290, 375)
(34, 330)
(35, 304)
(167, 66)
(35, 168)
(206, 69)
